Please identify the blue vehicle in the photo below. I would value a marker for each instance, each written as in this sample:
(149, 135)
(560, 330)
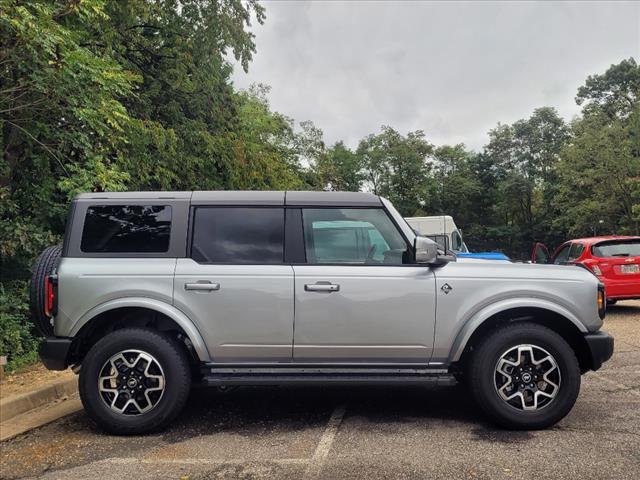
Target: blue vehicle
(444, 231)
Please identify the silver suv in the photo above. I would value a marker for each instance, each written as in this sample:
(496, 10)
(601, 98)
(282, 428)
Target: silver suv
(154, 291)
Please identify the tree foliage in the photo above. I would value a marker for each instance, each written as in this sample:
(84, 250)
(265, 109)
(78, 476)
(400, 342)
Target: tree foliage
(98, 96)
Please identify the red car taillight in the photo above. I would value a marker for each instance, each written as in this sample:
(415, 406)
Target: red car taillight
(596, 270)
(50, 291)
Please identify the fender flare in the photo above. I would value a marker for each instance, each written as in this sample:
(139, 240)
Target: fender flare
(478, 318)
(151, 304)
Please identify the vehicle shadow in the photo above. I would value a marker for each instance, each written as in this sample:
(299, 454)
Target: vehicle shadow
(252, 410)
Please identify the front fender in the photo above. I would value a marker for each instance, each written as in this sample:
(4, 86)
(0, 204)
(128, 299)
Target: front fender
(470, 326)
(149, 303)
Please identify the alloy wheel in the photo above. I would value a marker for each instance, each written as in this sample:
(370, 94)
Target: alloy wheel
(131, 382)
(527, 377)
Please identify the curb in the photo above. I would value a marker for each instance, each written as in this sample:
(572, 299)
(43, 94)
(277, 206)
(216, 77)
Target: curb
(13, 406)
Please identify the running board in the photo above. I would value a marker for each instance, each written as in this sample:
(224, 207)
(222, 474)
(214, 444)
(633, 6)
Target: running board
(220, 375)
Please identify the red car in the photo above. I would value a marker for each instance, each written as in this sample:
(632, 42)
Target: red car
(614, 259)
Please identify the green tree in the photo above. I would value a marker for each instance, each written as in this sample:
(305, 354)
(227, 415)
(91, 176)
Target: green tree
(616, 92)
(339, 168)
(527, 152)
(600, 169)
(98, 95)
(395, 166)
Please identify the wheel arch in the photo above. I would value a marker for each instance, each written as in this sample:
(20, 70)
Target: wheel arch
(548, 314)
(142, 312)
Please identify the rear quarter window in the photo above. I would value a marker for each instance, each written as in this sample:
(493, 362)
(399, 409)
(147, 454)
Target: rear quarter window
(126, 229)
(617, 248)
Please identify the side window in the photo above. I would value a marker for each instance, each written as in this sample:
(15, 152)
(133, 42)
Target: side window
(456, 241)
(126, 229)
(238, 235)
(352, 236)
(575, 251)
(563, 255)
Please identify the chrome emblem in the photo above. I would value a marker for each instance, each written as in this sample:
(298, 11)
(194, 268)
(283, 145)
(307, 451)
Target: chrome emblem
(446, 288)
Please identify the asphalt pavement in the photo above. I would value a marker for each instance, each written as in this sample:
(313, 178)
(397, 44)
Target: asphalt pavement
(364, 432)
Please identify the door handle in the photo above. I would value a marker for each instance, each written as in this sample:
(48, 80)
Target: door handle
(322, 287)
(202, 287)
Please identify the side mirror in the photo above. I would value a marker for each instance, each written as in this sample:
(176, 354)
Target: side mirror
(426, 250)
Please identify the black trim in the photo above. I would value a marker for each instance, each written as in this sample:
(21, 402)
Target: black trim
(600, 346)
(325, 379)
(67, 229)
(602, 310)
(221, 375)
(294, 251)
(54, 352)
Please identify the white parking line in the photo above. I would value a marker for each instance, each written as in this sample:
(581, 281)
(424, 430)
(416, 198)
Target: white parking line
(324, 446)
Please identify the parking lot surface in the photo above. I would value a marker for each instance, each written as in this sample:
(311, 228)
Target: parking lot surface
(363, 432)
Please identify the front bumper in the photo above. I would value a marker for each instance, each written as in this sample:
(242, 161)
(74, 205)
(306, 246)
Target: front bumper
(55, 352)
(600, 348)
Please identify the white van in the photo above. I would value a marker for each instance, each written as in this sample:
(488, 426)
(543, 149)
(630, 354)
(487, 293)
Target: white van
(440, 228)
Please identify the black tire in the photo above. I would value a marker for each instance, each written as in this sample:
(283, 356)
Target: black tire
(611, 302)
(481, 371)
(44, 266)
(171, 357)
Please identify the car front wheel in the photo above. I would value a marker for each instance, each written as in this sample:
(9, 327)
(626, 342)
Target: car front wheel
(134, 381)
(524, 376)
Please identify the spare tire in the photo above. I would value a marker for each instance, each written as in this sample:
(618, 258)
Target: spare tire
(42, 268)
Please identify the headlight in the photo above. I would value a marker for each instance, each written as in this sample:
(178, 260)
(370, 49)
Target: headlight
(602, 301)
(596, 270)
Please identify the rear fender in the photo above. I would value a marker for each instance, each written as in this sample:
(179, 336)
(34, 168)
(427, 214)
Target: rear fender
(169, 310)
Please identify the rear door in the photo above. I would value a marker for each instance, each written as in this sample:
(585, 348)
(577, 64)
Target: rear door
(540, 253)
(561, 255)
(358, 298)
(234, 284)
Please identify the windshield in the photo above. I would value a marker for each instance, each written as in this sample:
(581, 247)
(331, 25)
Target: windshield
(617, 248)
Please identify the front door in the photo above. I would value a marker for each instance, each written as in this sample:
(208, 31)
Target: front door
(359, 298)
(235, 286)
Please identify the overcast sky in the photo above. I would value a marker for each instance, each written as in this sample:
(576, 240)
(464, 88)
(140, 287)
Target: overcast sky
(453, 70)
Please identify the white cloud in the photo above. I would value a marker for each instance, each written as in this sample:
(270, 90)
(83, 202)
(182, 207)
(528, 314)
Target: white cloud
(451, 69)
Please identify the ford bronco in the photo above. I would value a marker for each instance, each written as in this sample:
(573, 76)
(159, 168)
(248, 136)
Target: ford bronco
(152, 292)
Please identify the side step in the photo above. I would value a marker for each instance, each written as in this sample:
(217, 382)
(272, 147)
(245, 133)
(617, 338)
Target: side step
(217, 376)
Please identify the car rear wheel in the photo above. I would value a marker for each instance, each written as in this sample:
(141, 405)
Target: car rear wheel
(524, 376)
(134, 381)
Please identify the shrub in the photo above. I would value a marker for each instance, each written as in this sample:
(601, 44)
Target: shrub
(18, 339)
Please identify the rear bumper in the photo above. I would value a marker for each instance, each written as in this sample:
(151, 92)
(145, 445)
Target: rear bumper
(55, 352)
(621, 289)
(600, 348)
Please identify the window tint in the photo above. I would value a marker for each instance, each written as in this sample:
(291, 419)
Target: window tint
(126, 229)
(575, 251)
(620, 248)
(562, 256)
(238, 235)
(355, 236)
